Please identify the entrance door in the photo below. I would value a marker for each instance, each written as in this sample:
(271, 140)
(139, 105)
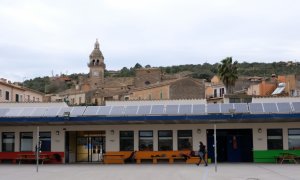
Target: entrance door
(233, 145)
(90, 146)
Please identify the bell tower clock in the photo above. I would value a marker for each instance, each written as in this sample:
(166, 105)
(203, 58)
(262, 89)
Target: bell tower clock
(97, 66)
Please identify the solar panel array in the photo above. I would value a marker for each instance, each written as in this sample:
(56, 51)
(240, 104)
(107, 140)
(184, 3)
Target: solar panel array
(241, 108)
(188, 109)
(270, 107)
(284, 107)
(296, 106)
(256, 108)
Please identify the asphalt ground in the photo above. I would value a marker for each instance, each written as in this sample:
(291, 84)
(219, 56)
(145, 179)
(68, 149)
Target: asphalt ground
(247, 171)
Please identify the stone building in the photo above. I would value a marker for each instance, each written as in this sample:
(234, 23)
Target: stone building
(148, 83)
(12, 92)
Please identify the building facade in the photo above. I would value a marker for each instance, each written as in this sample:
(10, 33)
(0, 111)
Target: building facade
(10, 92)
(84, 134)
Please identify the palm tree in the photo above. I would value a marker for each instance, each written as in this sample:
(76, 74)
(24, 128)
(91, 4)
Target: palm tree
(227, 72)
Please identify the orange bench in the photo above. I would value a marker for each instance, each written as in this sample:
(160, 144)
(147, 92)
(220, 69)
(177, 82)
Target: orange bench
(50, 157)
(155, 156)
(116, 157)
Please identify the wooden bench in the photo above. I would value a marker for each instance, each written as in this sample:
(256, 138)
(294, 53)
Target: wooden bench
(290, 157)
(116, 157)
(155, 156)
(8, 157)
(32, 157)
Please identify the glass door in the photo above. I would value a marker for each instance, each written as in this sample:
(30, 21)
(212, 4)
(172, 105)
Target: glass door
(90, 146)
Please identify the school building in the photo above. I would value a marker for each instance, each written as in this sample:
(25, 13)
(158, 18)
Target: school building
(246, 132)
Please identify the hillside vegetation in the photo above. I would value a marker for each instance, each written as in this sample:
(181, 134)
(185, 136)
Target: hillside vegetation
(201, 71)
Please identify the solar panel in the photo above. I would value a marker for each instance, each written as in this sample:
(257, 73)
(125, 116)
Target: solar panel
(213, 108)
(52, 112)
(39, 112)
(63, 110)
(227, 108)
(131, 110)
(284, 107)
(77, 111)
(117, 110)
(296, 106)
(198, 109)
(241, 108)
(172, 109)
(185, 109)
(270, 107)
(3, 112)
(26, 112)
(256, 108)
(13, 112)
(104, 110)
(144, 110)
(91, 111)
(157, 109)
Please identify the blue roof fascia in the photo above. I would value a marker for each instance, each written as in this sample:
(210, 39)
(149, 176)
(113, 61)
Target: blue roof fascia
(210, 117)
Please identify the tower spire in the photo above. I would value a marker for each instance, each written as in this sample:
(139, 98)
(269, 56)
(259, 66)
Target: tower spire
(97, 44)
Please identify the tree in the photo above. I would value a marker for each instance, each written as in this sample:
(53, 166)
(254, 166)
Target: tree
(138, 66)
(228, 73)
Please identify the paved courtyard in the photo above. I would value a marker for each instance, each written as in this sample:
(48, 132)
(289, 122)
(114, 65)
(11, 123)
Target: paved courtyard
(151, 172)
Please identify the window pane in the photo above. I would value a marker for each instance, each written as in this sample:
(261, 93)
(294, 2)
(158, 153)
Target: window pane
(146, 133)
(294, 139)
(45, 139)
(146, 141)
(126, 141)
(185, 139)
(274, 137)
(26, 141)
(165, 140)
(8, 142)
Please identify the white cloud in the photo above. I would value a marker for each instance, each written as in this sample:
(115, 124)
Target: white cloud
(37, 37)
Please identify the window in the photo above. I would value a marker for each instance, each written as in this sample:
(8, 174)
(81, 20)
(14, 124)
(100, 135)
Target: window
(274, 139)
(45, 139)
(185, 139)
(126, 141)
(26, 141)
(0, 92)
(147, 83)
(215, 93)
(294, 139)
(8, 142)
(7, 95)
(165, 140)
(146, 140)
(221, 92)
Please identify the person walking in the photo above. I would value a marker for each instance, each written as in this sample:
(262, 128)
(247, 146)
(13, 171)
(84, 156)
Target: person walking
(202, 152)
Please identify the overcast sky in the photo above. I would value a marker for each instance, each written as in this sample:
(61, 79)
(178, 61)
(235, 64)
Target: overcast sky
(38, 37)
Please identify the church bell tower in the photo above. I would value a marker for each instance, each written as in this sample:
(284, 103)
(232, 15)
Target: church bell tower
(96, 66)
